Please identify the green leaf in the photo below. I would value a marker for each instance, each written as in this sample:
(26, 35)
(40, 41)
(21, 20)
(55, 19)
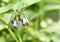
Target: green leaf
(7, 1)
(2, 25)
(33, 12)
(53, 1)
(51, 7)
(6, 17)
(24, 3)
(4, 9)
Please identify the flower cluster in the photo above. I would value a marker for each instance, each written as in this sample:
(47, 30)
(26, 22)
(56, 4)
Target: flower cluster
(25, 23)
(21, 15)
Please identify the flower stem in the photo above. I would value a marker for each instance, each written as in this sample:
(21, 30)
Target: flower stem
(12, 34)
(18, 34)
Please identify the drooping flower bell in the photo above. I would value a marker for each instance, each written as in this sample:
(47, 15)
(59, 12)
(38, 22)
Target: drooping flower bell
(14, 24)
(25, 22)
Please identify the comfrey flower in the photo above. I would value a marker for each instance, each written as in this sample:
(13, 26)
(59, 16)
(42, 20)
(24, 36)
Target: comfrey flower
(24, 18)
(25, 22)
(14, 24)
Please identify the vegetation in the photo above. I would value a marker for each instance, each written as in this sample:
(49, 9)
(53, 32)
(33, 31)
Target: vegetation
(29, 20)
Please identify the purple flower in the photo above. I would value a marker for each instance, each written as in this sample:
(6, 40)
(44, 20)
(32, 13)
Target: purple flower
(14, 24)
(25, 21)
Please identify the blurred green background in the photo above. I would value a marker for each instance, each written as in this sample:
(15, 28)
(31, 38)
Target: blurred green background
(43, 16)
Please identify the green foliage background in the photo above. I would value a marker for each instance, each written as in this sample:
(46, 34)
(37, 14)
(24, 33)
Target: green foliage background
(44, 21)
